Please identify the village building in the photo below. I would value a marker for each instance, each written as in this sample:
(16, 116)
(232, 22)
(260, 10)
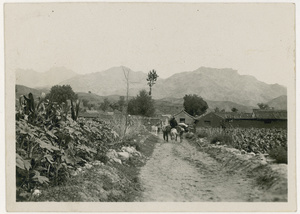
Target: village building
(184, 117)
(258, 119)
(209, 120)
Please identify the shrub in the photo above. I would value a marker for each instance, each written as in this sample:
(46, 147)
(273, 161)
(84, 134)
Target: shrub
(202, 134)
(279, 153)
(189, 135)
(222, 138)
(49, 144)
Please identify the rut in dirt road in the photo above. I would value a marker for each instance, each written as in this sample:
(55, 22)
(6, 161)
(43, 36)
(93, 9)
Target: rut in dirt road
(178, 172)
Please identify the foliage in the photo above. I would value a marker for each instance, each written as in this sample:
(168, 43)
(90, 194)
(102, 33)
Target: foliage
(260, 140)
(85, 102)
(194, 105)
(189, 135)
(75, 109)
(152, 77)
(216, 110)
(221, 138)
(104, 183)
(121, 103)
(263, 106)
(257, 140)
(105, 105)
(234, 109)
(92, 185)
(49, 144)
(142, 105)
(61, 94)
(201, 134)
(279, 153)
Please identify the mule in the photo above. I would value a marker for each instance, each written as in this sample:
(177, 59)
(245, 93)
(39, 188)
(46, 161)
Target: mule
(166, 129)
(177, 131)
(174, 134)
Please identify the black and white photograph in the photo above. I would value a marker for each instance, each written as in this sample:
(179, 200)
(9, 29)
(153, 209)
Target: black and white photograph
(119, 104)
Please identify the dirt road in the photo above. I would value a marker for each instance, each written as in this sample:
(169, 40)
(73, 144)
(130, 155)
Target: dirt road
(177, 172)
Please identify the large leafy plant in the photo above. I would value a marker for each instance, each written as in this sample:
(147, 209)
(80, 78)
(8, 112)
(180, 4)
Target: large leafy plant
(50, 142)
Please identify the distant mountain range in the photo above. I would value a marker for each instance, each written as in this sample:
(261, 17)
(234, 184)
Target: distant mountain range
(219, 85)
(108, 82)
(214, 85)
(34, 79)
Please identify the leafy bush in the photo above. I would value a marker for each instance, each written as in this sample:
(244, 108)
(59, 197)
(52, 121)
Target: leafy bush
(257, 140)
(222, 138)
(49, 144)
(142, 104)
(279, 153)
(189, 135)
(202, 134)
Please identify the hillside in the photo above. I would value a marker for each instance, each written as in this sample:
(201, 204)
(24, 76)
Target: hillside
(96, 99)
(23, 90)
(218, 85)
(227, 105)
(210, 83)
(279, 103)
(108, 82)
(34, 79)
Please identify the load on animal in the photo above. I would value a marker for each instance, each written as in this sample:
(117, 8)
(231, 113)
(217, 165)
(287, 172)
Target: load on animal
(174, 129)
(170, 128)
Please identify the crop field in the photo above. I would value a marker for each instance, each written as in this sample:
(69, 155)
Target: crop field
(271, 141)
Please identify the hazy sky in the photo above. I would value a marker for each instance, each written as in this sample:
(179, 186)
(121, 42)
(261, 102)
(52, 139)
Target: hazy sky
(255, 39)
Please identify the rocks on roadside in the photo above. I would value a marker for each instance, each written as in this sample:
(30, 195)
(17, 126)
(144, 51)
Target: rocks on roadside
(131, 150)
(113, 156)
(117, 160)
(97, 163)
(123, 155)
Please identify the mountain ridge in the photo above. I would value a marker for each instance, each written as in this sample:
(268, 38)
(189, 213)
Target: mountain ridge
(215, 84)
(34, 79)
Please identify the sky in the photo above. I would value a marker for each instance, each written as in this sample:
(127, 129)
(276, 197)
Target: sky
(254, 39)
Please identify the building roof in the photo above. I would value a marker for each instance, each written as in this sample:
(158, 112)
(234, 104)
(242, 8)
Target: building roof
(202, 115)
(257, 114)
(234, 115)
(183, 111)
(270, 114)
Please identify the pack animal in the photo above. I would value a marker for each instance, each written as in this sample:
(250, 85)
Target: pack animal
(166, 129)
(177, 131)
(174, 134)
